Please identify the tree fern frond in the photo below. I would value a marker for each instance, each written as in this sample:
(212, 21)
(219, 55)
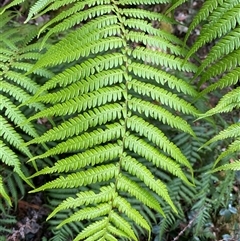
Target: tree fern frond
(108, 134)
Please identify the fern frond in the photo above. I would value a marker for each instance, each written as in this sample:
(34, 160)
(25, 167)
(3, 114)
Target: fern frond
(226, 64)
(204, 12)
(109, 135)
(234, 147)
(225, 24)
(226, 103)
(234, 166)
(231, 131)
(3, 192)
(226, 45)
(229, 79)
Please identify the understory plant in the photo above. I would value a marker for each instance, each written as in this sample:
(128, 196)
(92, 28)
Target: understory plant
(106, 103)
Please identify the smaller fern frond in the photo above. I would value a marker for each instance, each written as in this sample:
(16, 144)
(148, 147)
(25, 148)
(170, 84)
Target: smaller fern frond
(234, 166)
(223, 25)
(3, 192)
(204, 12)
(229, 79)
(227, 103)
(230, 132)
(233, 148)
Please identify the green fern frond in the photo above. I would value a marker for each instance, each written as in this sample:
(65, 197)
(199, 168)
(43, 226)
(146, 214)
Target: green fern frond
(204, 12)
(229, 79)
(231, 61)
(233, 148)
(226, 45)
(223, 24)
(234, 166)
(108, 134)
(227, 103)
(231, 131)
(3, 192)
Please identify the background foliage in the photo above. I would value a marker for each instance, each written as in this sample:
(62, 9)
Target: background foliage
(107, 111)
